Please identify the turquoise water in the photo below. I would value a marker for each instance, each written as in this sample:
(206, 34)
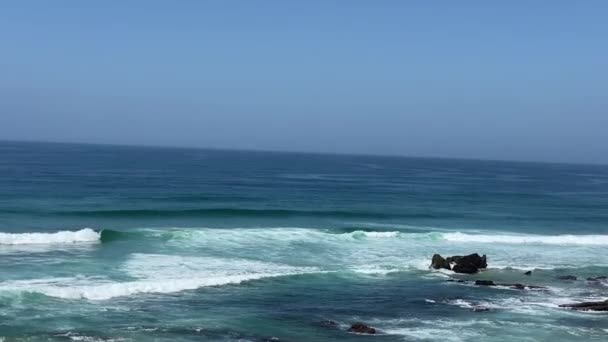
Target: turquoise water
(105, 243)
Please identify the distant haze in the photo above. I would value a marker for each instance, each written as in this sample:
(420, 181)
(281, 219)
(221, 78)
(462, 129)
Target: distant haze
(519, 80)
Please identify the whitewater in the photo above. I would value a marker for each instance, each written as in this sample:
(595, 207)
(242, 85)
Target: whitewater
(359, 251)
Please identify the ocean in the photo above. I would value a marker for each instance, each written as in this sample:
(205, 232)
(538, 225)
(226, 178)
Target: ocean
(116, 243)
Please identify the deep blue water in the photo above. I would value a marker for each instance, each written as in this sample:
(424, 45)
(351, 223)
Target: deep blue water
(168, 244)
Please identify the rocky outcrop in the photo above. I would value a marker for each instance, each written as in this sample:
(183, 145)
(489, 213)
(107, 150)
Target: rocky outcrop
(439, 262)
(528, 273)
(468, 264)
(465, 268)
(361, 328)
(600, 278)
(587, 306)
(516, 286)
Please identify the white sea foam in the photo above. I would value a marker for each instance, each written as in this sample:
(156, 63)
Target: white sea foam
(376, 270)
(461, 303)
(528, 239)
(84, 338)
(436, 236)
(368, 250)
(296, 233)
(432, 334)
(538, 305)
(62, 237)
(159, 266)
(157, 274)
(376, 235)
(103, 291)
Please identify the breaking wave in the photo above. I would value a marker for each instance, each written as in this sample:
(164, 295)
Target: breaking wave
(292, 233)
(528, 239)
(295, 233)
(61, 237)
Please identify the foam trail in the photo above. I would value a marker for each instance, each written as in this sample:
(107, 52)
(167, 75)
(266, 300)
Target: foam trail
(295, 233)
(157, 273)
(528, 239)
(78, 289)
(379, 235)
(83, 235)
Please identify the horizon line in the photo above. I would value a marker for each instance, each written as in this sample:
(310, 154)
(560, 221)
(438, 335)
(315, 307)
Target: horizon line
(254, 150)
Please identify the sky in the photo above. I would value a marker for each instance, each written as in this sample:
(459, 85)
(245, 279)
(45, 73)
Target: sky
(513, 80)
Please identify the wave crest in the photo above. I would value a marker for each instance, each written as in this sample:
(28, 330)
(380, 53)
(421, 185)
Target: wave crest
(527, 239)
(61, 237)
(289, 234)
(371, 234)
(314, 234)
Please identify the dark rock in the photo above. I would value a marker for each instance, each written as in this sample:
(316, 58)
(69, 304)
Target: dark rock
(473, 259)
(484, 283)
(536, 287)
(481, 309)
(518, 286)
(439, 262)
(468, 264)
(456, 280)
(528, 273)
(587, 306)
(453, 259)
(361, 328)
(514, 286)
(597, 278)
(465, 268)
(567, 277)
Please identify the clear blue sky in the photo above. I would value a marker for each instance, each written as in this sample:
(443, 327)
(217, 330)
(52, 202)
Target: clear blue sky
(523, 80)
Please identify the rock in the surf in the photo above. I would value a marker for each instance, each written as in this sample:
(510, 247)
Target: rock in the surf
(484, 283)
(491, 283)
(439, 262)
(465, 268)
(600, 278)
(587, 306)
(361, 328)
(528, 273)
(516, 286)
(470, 264)
(567, 277)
